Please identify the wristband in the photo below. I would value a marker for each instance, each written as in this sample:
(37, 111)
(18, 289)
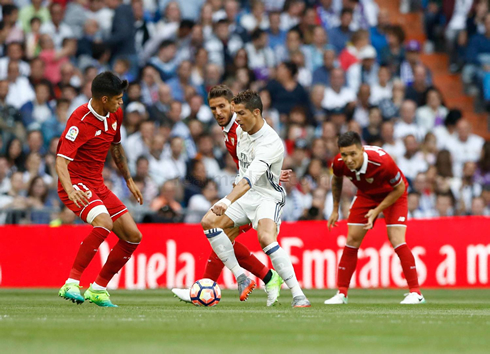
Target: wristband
(225, 201)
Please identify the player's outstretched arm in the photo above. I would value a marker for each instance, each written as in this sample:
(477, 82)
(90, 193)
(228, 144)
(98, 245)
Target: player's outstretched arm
(238, 191)
(75, 195)
(391, 198)
(336, 192)
(119, 157)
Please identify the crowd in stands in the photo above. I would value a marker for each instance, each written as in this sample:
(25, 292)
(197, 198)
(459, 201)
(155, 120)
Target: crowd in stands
(321, 67)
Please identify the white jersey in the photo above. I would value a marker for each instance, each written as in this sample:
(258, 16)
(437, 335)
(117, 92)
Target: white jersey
(261, 156)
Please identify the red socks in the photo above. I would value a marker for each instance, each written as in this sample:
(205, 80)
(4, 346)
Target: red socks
(244, 257)
(87, 251)
(347, 266)
(249, 262)
(120, 254)
(408, 265)
(214, 266)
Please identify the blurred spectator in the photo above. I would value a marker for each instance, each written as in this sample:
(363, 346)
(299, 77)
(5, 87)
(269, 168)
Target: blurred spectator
(138, 144)
(76, 15)
(35, 9)
(142, 173)
(260, 57)
(277, 36)
(382, 88)
(341, 34)
(413, 201)
(15, 53)
(4, 180)
(13, 203)
(37, 111)
(444, 205)
(20, 91)
(200, 204)
(433, 113)
(392, 146)
(121, 39)
(195, 180)
(478, 207)
(167, 208)
(337, 95)
(378, 33)
(393, 54)
(407, 125)
(57, 29)
(465, 147)
(10, 119)
(365, 71)
(351, 54)
(412, 162)
(173, 166)
(285, 90)
(321, 75)
(13, 32)
(327, 15)
(464, 189)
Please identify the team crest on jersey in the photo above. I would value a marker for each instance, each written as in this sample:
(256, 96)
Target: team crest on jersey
(114, 125)
(232, 141)
(369, 180)
(72, 133)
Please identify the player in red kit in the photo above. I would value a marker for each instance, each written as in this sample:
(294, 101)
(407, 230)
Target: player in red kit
(220, 103)
(91, 131)
(381, 187)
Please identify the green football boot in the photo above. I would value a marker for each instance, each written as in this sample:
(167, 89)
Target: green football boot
(273, 288)
(71, 291)
(98, 297)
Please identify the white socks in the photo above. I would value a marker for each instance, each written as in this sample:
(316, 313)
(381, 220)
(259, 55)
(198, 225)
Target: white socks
(283, 266)
(72, 281)
(97, 287)
(223, 248)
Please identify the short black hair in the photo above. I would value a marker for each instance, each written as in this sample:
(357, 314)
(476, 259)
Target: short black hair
(8, 9)
(251, 100)
(108, 84)
(220, 91)
(166, 43)
(256, 34)
(292, 67)
(349, 139)
(346, 10)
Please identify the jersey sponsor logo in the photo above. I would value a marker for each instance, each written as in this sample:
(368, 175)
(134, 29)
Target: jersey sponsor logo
(72, 133)
(369, 180)
(98, 132)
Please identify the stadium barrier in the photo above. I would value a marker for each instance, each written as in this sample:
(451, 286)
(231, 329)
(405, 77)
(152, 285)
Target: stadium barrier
(451, 252)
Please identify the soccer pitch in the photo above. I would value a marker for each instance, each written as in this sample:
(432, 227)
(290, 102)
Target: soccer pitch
(152, 321)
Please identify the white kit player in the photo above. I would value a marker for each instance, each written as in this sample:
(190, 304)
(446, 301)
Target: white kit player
(257, 198)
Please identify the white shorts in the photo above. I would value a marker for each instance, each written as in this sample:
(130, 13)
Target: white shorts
(252, 207)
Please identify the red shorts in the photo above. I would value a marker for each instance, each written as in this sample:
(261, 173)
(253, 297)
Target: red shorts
(395, 215)
(101, 200)
(245, 228)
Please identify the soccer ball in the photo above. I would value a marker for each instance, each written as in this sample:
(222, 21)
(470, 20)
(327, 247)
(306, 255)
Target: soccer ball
(205, 292)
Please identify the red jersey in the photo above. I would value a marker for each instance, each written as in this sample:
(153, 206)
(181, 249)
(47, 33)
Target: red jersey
(86, 142)
(231, 138)
(377, 176)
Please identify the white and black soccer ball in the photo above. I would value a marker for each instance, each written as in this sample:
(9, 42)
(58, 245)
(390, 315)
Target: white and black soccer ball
(205, 292)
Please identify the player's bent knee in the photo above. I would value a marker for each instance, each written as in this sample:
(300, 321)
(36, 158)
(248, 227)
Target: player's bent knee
(135, 236)
(266, 238)
(208, 222)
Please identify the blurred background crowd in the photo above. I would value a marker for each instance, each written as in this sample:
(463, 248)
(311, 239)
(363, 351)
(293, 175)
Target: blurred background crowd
(322, 67)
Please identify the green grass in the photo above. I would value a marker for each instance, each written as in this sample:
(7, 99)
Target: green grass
(37, 321)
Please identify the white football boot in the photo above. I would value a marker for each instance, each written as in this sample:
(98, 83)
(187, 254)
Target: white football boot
(182, 294)
(337, 299)
(413, 299)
